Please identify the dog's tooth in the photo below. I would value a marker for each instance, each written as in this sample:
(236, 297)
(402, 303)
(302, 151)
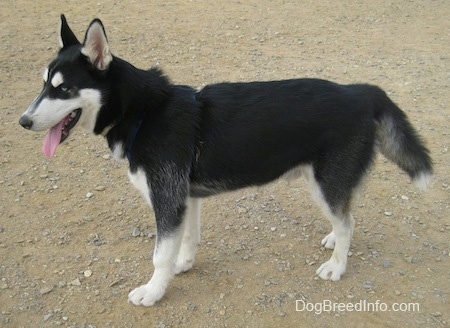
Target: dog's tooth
(73, 114)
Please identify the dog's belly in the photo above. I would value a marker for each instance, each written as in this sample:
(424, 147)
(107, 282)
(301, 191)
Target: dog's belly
(213, 187)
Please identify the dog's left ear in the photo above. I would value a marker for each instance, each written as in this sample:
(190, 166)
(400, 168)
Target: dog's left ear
(67, 37)
(96, 47)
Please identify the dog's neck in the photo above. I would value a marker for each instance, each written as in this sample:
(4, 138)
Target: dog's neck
(133, 95)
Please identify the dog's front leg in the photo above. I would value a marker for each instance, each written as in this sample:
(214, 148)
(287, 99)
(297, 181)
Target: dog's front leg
(168, 196)
(191, 236)
(164, 257)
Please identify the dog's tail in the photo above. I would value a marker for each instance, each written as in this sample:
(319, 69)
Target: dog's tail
(399, 142)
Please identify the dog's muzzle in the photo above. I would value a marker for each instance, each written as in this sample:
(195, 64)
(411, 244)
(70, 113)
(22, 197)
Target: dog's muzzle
(26, 122)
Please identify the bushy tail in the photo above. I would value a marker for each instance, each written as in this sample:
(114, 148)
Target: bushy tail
(399, 141)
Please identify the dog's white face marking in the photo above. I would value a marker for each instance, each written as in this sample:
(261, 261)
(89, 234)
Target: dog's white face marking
(47, 112)
(57, 79)
(90, 101)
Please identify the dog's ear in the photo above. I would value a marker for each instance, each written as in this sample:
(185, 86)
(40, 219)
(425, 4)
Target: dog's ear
(96, 47)
(66, 38)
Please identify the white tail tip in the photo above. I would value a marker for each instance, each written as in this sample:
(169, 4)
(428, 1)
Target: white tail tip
(423, 180)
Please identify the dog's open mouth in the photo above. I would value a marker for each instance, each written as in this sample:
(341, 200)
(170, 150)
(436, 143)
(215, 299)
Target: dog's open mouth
(60, 132)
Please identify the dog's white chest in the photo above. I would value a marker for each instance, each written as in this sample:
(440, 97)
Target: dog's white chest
(139, 180)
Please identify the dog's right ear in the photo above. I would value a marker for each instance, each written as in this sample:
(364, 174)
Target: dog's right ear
(96, 47)
(67, 37)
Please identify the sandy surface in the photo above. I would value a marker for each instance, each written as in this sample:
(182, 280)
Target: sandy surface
(70, 260)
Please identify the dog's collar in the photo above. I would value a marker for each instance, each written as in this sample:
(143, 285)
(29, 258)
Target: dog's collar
(134, 132)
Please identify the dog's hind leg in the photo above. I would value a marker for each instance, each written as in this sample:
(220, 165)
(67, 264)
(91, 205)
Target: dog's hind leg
(191, 236)
(340, 237)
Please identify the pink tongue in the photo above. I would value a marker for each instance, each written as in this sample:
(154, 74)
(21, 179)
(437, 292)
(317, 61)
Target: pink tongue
(53, 139)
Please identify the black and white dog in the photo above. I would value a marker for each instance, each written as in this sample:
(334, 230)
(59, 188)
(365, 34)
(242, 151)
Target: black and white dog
(183, 145)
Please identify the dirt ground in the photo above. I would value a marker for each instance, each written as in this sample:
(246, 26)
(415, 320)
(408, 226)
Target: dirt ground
(75, 237)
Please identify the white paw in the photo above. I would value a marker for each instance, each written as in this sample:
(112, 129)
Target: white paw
(329, 241)
(186, 257)
(331, 270)
(184, 263)
(146, 295)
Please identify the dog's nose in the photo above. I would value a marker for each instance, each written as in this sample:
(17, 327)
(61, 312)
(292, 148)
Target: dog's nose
(26, 122)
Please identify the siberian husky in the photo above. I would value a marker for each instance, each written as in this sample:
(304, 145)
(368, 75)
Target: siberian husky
(184, 144)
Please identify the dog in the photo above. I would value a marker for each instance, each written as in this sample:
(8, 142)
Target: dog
(184, 144)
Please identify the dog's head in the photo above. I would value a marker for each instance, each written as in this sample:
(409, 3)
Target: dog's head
(74, 86)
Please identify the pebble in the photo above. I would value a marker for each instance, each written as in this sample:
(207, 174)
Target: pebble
(368, 285)
(386, 264)
(242, 210)
(388, 213)
(100, 188)
(89, 195)
(136, 232)
(46, 290)
(409, 259)
(76, 282)
(47, 316)
(87, 273)
(397, 292)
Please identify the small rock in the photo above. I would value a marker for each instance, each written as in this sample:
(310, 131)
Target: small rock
(2, 230)
(386, 264)
(100, 188)
(87, 273)
(409, 259)
(47, 316)
(397, 292)
(405, 197)
(242, 210)
(89, 195)
(388, 213)
(368, 285)
(76, 282)
(273, 229)
(136, 232)
(45, 290)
